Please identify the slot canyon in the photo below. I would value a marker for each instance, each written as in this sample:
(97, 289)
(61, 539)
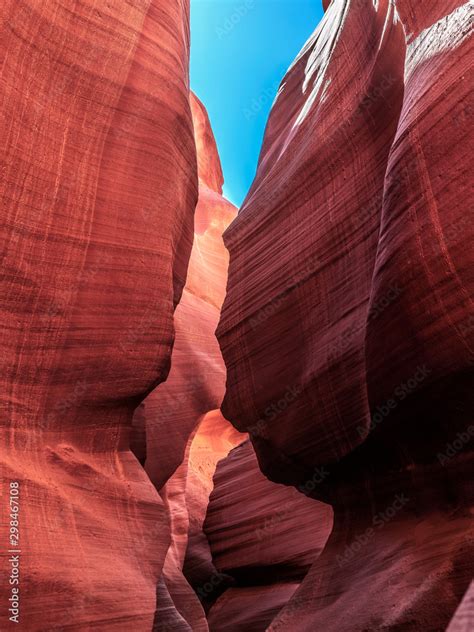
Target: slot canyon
(222, 419)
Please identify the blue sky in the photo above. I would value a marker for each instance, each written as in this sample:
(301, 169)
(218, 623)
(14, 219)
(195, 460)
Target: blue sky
(240, 51)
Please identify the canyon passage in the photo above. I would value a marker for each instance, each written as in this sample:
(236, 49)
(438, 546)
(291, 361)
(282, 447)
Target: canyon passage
(236, 419)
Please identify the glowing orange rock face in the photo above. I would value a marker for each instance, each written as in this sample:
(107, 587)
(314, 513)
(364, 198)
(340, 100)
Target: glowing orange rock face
(196, 382)
(346, 330)
(168, 419)
(189, 561)
(209, 164)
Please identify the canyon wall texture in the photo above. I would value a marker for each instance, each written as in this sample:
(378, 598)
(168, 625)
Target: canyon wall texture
(196, 382)
(348, 329)
(99, 187)
(340, 496)
(264, 536)
(174, 418)
(229, 564)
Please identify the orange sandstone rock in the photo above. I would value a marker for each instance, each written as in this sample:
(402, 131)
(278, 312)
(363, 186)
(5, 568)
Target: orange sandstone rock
(99, 188)
(166, 424)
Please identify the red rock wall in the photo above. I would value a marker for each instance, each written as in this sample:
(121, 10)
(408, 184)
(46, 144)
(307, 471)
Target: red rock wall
(424, 221)
(214, 439)
(247, 536)
(99, 188)
(196, 382)
(189, 572)
(175, 417)
(346, 329)
(463, 619)
(249, 609)
(304, 245)
(264, 536)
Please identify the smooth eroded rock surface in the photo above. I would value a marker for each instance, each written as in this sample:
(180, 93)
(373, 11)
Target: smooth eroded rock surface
(304, 245)
(249, 609)
(263, 535)
(179, 433)
(347, 328)
(99, 187)
(196, 382)
(256, 527)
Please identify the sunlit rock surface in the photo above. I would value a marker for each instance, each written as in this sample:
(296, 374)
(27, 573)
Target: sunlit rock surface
(213, 440)
(196, 382)
(347, 328)
(179, 432)
(304, 245)
(97, 224)
(189, 574)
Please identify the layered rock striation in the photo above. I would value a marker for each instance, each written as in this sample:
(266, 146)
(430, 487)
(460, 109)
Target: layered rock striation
(346, 337)
(179, 434)
(264, 536)
(347, 328)
(196, 382)
(97, 225)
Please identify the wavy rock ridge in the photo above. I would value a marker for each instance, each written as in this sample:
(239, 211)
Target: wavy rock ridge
(262, 535)
(180, 436)
(347, 329)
